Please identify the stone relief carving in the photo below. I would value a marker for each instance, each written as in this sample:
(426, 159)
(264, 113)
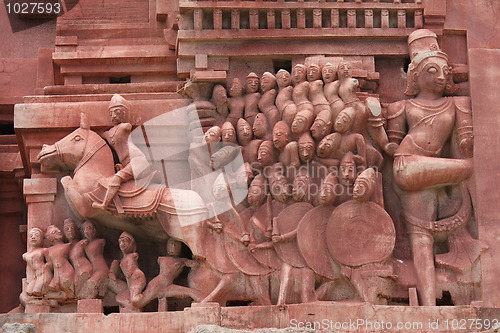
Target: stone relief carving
(320, 158)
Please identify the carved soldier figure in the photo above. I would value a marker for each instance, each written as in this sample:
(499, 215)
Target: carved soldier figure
(268, 99)
(134, 164)
(266, 154)
(83, 267)
(422, 126)
(331, 89)
(316, 94)
(322, 125)
(228, 133)
(260, 128)
(302, 122)
(245, 136)
(129, 295)
(301, 89)
(236, 102)
(38, 272)
(284, 100)
(57, 258)
(94, 251)
(219, 99)
(328, 190)
(252, 97)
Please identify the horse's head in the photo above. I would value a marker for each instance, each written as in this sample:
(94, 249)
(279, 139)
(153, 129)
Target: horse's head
(69, 151)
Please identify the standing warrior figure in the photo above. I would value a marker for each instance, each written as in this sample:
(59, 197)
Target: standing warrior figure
(236, 102)
(252, 97)
(266, 103)
(134, 164)
(331, 89)
(422, 126)
(284, 100)
(301, 89)
(316, 94)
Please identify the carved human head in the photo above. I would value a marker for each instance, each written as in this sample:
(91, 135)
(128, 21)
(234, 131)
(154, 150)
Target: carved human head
(279, 187)
(244, 175)
(266, 154)
(126, 242)
(174, 247)
(53, 235)
(364, 186)
(283, 78)
(219, 95)
(220, 189)
(345, 119)
(348, 170)
(118, 107)
(244, 132)
(302, 122)
(313, 73)
(322, 125)
(70, 230)
(306, 147)
(228, 133)
(344, 70)
(35, 237)
(327, 191)
(252, 83)
(213, 135)
(301, 186)
(281, 135)
(257, 191)
(299, 74)
(326, 146)
(89, 230)
(260, 125)
(267, 82)
(329, 72)
(429, 69)
(236, 88)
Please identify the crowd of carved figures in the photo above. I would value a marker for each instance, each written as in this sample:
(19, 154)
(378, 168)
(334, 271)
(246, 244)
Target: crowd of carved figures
(313, 224)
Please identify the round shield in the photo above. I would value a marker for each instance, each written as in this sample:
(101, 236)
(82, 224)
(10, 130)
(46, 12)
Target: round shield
(288, 221)
(312, 241)
(359, 233)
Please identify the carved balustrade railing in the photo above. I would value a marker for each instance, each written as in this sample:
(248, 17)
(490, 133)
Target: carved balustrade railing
(300, 14)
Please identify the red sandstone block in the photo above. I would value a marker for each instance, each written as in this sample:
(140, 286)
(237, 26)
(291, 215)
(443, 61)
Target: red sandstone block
(89, 306)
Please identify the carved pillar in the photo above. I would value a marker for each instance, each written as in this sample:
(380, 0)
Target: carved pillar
(385, 18)
(351, 18)
(419, 19)
(301, 18)
(317, 18)
(254, 19)
(285, 19)
(369, 18)
(271, 20)
(217, 19)
(484, 65)
(198, 19)
(401, 18)
(335, 18)
(235, 19)
(40, 194)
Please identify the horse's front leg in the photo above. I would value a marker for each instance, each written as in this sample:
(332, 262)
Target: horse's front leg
(76, 201)
(218, 293)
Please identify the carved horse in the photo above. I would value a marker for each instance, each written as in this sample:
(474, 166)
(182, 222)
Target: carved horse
(176, 212)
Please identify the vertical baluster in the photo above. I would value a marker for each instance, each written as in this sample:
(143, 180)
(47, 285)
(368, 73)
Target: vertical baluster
(385, 18)
(334, 16)
(351, 18)
(317, 18)
(301, 18)
(369, 18)
(285, 19)
(271, 19)
(254, 18)
(235, 19)
(198, 19)
(401, 18)
(217, 18)
(419, 19)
